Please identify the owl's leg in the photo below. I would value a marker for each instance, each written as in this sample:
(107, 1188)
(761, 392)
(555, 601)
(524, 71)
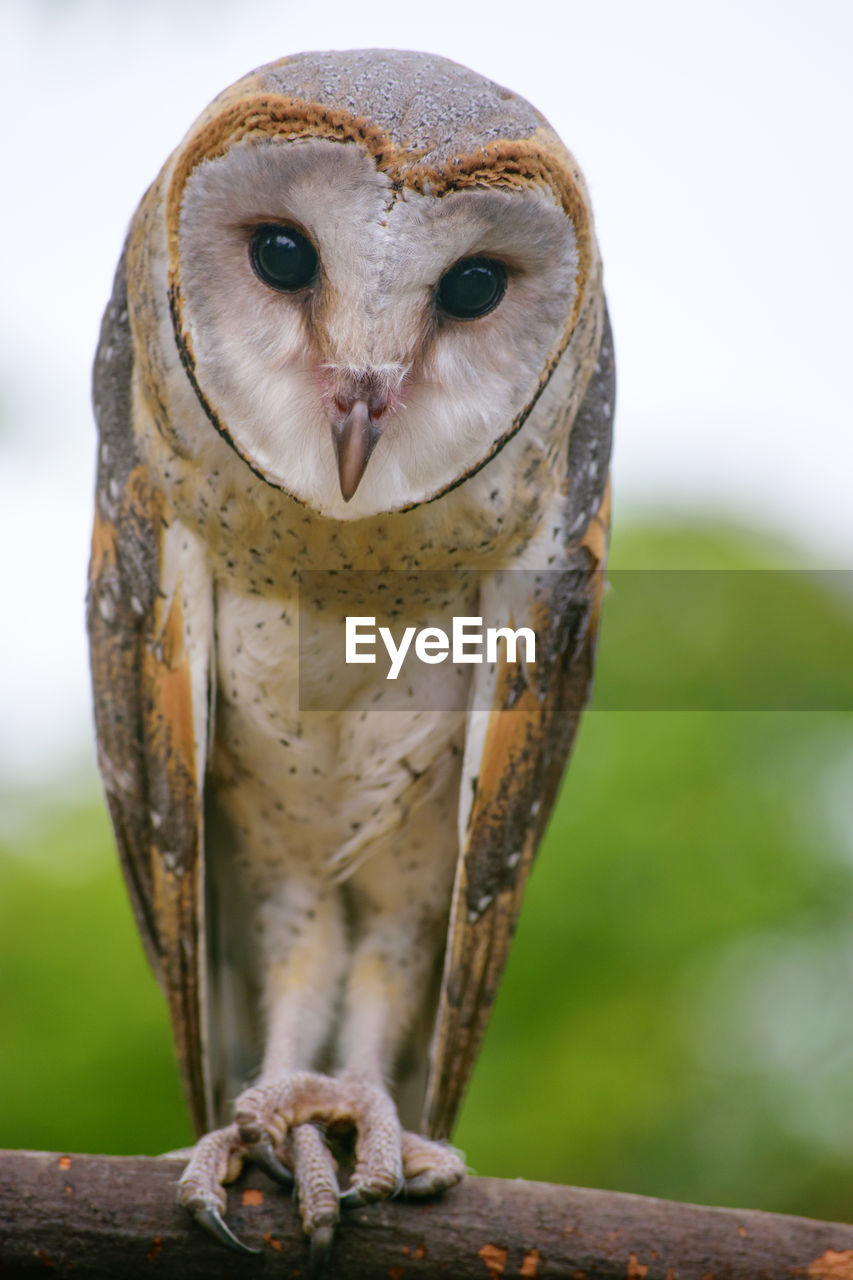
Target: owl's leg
(288, 1108)
(302, 940)
(401, 934)
(280, 1120)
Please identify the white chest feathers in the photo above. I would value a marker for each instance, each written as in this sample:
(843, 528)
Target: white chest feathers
(322, 790)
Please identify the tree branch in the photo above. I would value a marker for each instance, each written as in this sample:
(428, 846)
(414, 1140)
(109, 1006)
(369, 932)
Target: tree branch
(110, 1216)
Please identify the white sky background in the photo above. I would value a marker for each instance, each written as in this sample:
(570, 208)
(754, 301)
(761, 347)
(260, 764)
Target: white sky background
(715, 137)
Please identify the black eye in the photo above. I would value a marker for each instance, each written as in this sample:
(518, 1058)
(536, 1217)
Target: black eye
(472, 287)
(283, 257)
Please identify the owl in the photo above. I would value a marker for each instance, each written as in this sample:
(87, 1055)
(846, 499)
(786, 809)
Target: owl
(357, 338)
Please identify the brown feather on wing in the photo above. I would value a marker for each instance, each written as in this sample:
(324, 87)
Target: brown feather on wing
(526, 746)
(144, 715)
(527, 740)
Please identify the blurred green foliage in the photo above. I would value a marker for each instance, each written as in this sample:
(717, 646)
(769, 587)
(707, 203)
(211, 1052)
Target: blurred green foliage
(677, 1013)
(87, 1063)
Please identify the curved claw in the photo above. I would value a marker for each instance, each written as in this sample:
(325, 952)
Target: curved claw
(265, 1158)
(355, 1196)
(423, 1185)
(321, 1244)
(211, 1219)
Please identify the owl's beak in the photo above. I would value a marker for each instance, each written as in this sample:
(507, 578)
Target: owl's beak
(354, 435)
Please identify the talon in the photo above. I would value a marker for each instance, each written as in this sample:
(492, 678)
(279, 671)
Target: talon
(211, 1219)
(321, 1244)
(425, 1184)
(264, 1156)
(355, 1196)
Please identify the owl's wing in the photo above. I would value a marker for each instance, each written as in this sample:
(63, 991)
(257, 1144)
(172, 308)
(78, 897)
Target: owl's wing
(516, 750)
(151, 677)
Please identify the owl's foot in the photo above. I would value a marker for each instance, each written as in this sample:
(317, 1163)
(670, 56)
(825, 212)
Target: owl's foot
(282, 1126)
(429, 1167)
(217, 1158)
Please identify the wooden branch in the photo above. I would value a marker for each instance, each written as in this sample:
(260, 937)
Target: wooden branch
(116, 1217)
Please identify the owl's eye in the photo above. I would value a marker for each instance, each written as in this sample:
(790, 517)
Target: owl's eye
(283, 258)
(471, 288)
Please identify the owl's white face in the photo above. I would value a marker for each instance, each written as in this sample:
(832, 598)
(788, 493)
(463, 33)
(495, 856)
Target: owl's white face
(283, 369)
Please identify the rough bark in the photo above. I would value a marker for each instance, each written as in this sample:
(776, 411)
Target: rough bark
(109, 1216)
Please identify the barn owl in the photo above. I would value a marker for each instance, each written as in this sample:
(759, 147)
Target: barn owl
(358, 333)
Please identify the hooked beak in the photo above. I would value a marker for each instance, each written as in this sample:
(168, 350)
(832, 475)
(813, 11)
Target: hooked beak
(358, 403)
(354, 438)
(355, 430)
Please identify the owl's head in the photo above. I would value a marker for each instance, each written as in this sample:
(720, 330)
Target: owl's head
(376, 261)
